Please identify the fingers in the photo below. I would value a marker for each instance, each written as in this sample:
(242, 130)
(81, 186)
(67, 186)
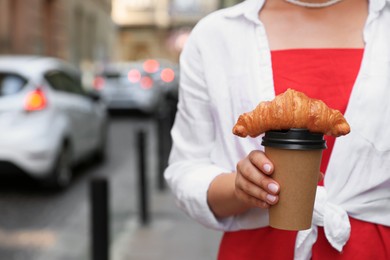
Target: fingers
(254, 194)
(259, 160)
(253, 182)
(256, 168)
(251, 200)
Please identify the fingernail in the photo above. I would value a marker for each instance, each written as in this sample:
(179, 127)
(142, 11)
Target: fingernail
(267, 167)
(272, 187)
(271, 198)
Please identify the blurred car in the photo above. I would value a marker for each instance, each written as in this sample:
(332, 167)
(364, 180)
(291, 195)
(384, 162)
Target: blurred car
(126, 86)
(48, 122)
(164, 73)
(146, 85)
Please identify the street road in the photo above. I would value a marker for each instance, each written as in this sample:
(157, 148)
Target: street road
(38, 224)
(41, 225)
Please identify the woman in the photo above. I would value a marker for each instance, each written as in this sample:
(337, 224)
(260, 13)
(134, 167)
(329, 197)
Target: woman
(337, 51)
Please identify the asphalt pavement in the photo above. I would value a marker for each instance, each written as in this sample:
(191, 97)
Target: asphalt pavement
(40, 225)
(170, 235)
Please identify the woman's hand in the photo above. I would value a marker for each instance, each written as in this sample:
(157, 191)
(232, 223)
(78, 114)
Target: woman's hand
(250, 186)
(253, 184)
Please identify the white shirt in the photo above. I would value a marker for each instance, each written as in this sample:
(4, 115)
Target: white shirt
(225, 71)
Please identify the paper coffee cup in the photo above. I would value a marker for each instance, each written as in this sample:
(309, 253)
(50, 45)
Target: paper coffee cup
(296, 155)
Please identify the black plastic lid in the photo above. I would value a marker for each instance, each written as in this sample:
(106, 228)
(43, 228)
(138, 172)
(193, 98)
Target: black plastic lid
(294, 139)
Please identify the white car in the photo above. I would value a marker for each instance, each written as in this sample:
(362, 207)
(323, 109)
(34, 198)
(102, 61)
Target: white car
(125, 86)
(48, 122)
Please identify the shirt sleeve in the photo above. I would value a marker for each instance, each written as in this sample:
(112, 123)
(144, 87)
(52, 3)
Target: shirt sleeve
(190, 169)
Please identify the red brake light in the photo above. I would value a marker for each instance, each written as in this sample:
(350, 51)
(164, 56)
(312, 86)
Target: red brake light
(151, 66)
(167, 75)
(36, 100)
(98, 83)
(134, 76)
(146, 83)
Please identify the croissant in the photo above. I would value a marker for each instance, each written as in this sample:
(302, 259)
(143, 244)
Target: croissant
(292, 109)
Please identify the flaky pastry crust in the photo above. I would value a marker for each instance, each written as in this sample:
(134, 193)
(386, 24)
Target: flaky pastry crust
(292, 109)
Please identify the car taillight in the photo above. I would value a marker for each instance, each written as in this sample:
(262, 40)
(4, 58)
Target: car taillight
(167, 75)
(151, 66)
(134, 76)
(146, 82)
(36, 100)
(98, 83)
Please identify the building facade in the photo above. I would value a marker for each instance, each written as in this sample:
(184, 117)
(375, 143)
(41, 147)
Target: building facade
(78, 31)
(158, 28)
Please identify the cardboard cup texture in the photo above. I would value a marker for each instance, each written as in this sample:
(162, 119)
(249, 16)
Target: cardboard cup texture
(297, 173)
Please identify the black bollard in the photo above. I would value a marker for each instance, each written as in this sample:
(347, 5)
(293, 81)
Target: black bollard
(143, 204)
(162, 141)
(99, 219)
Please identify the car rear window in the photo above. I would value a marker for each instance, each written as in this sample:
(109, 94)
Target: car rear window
(11, 84)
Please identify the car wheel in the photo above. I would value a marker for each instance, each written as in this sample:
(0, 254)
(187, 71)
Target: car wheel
(61, 175)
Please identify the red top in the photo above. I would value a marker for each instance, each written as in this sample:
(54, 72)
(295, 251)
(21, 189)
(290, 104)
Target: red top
(329, 75)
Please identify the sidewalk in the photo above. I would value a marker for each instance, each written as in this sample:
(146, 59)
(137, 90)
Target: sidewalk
(171, 235)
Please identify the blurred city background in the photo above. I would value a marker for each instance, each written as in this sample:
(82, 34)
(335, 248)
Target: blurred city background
(88, 94)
